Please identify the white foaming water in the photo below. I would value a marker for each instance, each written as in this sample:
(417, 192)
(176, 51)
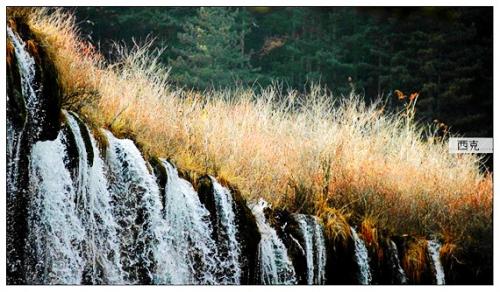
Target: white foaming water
(56, 233)
(228, 245)
(275, 266)
(396, 265)
(320, 255)
(102, 245)
(434, 247)
(137, 210)
(189, 234)
(315, 251)
(361, 255)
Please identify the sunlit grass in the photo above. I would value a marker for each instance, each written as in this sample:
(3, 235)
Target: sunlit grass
(298, 151)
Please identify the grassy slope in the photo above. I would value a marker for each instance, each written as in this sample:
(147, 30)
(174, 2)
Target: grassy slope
(298, 152)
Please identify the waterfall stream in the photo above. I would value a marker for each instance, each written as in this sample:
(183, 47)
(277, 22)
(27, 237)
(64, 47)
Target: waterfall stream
(228, 246)
(137, 209)
(314, 245)
(275, 265)
(93, 203)
(395, 263)
(189, 233)
(433, 247)
(26, 67)
(56, 234)
(362, 259)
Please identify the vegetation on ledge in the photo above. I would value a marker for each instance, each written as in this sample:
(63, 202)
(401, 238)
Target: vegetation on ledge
(311, 153)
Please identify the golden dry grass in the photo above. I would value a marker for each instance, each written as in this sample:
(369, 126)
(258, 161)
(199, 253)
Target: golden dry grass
(282, 146)
(415, 260)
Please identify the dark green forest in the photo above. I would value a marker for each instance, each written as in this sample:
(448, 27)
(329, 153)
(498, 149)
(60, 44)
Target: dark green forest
(445, 54)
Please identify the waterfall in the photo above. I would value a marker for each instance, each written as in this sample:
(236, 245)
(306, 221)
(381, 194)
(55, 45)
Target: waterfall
(137, 210)
(189, 233)
(395, 263)
(26, 66)
(227, 243)
(93, 203)
(274, 264)
(314, 245)
(433, 248)
(362, 259)
(56, 233)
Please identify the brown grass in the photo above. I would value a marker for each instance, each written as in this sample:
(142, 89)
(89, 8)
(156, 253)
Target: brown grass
(336, 226)
(415, 261)
(369, 233)
(278, 145)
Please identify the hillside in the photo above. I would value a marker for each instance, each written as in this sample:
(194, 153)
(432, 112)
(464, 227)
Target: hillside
(344, 161)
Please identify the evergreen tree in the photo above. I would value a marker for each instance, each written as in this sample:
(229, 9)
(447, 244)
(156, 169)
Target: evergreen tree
(212, 51)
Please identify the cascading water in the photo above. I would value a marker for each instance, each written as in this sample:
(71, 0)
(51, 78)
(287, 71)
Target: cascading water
(30, 91)
(227, 243)
(189, 234)
(93, 202)
(395, 263)
(314, 248)
(13, 155)
(137, 210)
(26, 67)
(275, 266)
(56, 234)
(433, 248)
(362, 259)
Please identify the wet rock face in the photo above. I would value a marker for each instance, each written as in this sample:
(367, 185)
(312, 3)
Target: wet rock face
(288, 231)
(248, 236)
(51, 96)
(207, 197)
(160, 174)
(341, 266)
(16, 106)
(390, 270)
(72, 160)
